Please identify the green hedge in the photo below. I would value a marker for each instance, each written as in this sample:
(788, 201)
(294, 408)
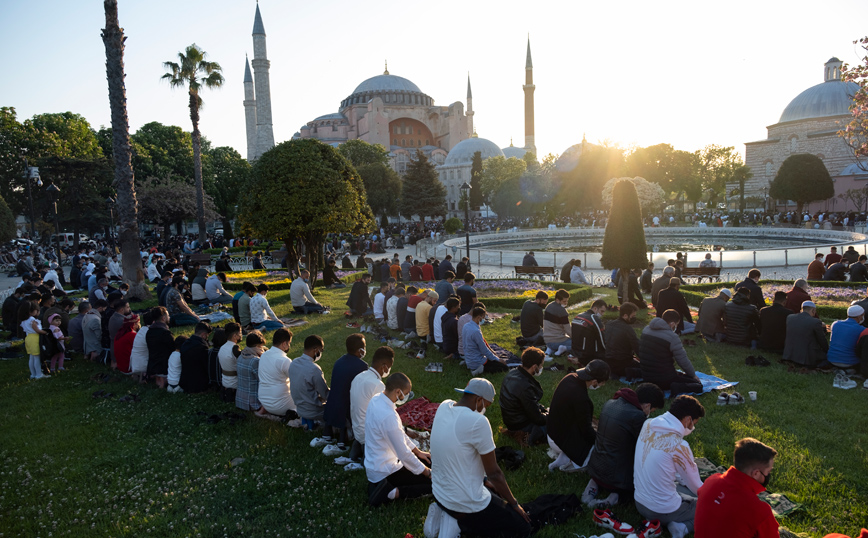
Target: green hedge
(695, 293)
(578, 293)
(236, 286)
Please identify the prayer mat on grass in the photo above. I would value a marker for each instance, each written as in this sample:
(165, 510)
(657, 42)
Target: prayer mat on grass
(293, 322)
(215, 317)
(511, 358)
(780, 504)
(709, 383)
(418, 413)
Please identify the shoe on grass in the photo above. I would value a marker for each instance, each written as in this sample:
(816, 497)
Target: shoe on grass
(762, 361)
(750, 361)
(735, 399)
(333, 450)
(318, 442)
(607, 520)
(722, 398)
(841, 382)
(342, 460)
(561, 350)
(354, 467)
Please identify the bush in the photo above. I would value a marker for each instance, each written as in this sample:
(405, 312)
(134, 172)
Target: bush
(578, 293)
(452, 225)
(236, 286)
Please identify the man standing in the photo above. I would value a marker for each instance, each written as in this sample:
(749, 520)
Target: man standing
(468, 484)
(712, 315)
(393, 464)
(833, 257)
(659, 346)
(661, 453)
(520, 395)
(728, 506)
(586, 335)
(756, 292)
(816, 268)
(806, 343)
(622, 344)
(532, 316)
(302, 300)
(556, 324)
(773, 320)
(446, 266)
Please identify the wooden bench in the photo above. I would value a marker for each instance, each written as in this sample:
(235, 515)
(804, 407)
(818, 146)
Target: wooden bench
(535, 270)
(713, 273)
(203, 259)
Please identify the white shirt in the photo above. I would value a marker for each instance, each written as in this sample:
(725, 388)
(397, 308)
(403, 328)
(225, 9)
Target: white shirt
(260, 309)
(139, 354)
(153, 272)
(379, 305)
(174, 367)
(274, 392)
(387, 447)
(392, 311)
(661, 453)
(364, 387)
(459, 437)
(438, 326)
(115, 269)
(228, 363)
(52, 276)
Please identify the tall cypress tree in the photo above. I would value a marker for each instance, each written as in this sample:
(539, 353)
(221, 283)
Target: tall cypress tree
(476, 182)
(422, 194)
(624, 245)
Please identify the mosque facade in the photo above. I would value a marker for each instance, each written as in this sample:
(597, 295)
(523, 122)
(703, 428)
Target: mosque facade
(809, 124)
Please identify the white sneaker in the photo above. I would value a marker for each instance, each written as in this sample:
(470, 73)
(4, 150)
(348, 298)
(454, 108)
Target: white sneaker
(354, 467)
(333, 450)
(342, 460)
(548, 358)
(722, 398)
(843, 382)
(561, 350)
(432, 521)
(571, 467)
(318, 442)
(420, 355)
(865, 384)
(294, 423)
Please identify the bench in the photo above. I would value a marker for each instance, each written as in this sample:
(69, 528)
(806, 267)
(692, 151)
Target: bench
(203, 259)
(713, 273)
(535, 270)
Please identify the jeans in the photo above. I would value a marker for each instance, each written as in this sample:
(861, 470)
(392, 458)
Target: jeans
(223, 299)
(270, 325)
(689, 328)
(337, 285)
(308, 308)
(183, 319)
(552, 347)
(368, 312)
(498, 519)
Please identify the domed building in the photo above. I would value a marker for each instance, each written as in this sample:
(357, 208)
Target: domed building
(455, 170)
(809, 124)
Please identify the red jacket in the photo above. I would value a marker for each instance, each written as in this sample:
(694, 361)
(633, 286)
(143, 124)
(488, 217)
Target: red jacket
(728, 507)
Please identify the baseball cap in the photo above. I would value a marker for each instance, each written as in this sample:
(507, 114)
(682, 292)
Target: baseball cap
(595, 370)
(481, 387)
(855, 311)
(727, 292)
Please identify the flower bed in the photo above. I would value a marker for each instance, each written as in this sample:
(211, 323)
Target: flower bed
(279, 280)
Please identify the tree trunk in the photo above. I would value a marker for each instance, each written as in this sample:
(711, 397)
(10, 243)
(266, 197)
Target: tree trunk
(624, 284)
(197, 166)
(113, 38)
(227, 228)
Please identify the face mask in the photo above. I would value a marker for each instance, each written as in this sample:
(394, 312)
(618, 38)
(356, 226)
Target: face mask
(123, 292)
(362, 353)
(631, 320)
(403, 399)
(483, 409)
(539, 372)
(385, 374)
(305, 279)
(765, 481)
(317, 356)
(690, 429)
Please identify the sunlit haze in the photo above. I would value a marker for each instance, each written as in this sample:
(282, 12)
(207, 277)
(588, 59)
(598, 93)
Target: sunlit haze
(630, 73)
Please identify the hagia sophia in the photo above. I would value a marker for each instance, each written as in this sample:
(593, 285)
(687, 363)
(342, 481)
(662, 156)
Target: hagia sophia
(393, 111)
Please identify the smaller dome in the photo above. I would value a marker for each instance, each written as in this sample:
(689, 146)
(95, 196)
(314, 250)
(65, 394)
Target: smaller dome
(333, 116)
(463, 151)
(570, 157)
(855, 169)
(512, 151)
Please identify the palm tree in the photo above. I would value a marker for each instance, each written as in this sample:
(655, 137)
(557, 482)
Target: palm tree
(125, 183)
(194, 73)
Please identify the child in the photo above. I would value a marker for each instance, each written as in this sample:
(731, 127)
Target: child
(174, 376)
(32, 329)
(58, 348)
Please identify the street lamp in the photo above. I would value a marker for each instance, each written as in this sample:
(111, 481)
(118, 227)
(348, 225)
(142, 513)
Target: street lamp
(110, 202)
(53, 194)
(465, 190)
(31, 173)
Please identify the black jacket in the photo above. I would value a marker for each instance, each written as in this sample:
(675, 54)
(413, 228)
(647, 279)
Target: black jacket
(756, 293)
(161, 344)
(532, 316)
(401, 313)
(569, 420)
(671, 299)
(742, 321)
(858, 272)
(359, 300)
(520, 396)
(587, 337)
(658, 348)
(194, 365)
(328, 276)
(836, 272)
(621, 342)
(646, 281)
(10, 313)
(773, 320)
(449, 323)
(621, 421)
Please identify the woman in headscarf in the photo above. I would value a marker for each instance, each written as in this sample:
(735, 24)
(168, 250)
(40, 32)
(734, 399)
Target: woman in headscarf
(198, 288)
(124, 342)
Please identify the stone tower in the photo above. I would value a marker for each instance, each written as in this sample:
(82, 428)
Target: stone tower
(264, 131)
(469, 106)
(250, 111)
(529, 140)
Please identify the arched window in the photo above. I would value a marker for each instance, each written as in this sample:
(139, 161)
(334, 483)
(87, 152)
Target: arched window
(769, 169)
(395, 142)
(411, 142)
(403, 142)
(419, 143)
(794, 144)
(427, 142)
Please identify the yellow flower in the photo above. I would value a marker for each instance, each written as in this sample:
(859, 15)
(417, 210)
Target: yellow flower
(532, 293)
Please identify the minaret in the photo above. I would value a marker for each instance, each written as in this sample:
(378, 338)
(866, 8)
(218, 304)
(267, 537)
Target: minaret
(250, 112)
(469, 106)
(264, 132)
(529, 140)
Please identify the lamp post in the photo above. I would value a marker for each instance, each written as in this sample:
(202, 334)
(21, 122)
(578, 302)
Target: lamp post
(30, 173)
(110, 202)
(465, 190)
(53, 194)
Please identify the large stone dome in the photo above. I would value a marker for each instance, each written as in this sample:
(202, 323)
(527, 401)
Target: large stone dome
(387, 83)
(463, 151)
(392, 89)
(830, 98)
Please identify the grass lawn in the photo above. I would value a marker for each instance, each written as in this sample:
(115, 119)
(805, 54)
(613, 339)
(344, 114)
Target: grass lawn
(74, 465)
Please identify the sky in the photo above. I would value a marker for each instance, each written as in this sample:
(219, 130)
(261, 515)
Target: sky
(628, 73)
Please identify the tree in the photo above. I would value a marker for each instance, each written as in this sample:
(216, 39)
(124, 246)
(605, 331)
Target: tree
(230, 174)
(360, 153)
(856, 131)
(857, 197)
(8, 229)
(581, 187)
(676, 171)
(319, 193)
(451, 226)
(717, 168)
(802, 178)
(651, 195)
(195, 72)
(476, 198)
(422, 194)
(124, 178)
(163, 152)
(164, 203)
(624, 245)
(496, 171)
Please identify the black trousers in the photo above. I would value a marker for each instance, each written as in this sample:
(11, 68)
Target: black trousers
(409, 485)
(497, 520)
(494, 367)
(680, 384)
